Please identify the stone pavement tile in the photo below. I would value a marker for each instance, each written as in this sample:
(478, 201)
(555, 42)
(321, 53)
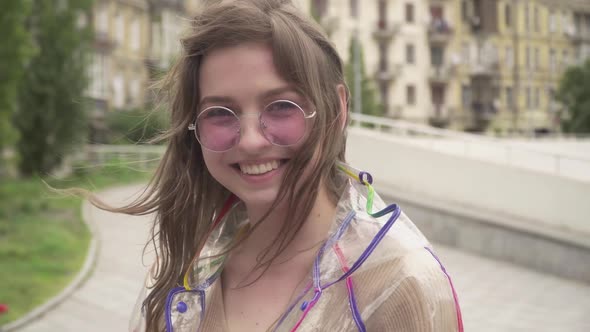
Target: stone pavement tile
(494, 296)
(499, 296)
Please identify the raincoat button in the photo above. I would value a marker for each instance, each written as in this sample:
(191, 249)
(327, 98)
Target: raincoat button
(181, 307)
(304, 305)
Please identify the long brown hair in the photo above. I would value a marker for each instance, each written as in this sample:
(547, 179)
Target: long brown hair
(183, 194)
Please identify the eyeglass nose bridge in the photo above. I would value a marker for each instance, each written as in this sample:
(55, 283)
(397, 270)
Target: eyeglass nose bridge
(261, 127)
(193, 127)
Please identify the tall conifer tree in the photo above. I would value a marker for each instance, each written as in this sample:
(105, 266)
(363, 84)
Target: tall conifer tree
(52, 114)
(14, 53)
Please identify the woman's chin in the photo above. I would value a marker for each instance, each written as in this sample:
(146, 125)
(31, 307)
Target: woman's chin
(258, 200)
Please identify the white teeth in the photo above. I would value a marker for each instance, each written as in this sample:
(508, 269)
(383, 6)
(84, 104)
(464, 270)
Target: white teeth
(259, 169)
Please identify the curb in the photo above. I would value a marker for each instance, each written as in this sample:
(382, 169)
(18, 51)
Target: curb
(80, 278)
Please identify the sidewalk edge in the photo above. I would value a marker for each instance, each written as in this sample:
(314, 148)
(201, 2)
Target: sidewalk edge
(81, 277)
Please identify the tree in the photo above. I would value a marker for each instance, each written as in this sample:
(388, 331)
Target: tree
(52, 115)
(370, 104)
(574, 94)
(14, 51)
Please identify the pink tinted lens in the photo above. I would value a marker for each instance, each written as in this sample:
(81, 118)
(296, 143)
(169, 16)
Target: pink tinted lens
(283, 123)
(218, 129)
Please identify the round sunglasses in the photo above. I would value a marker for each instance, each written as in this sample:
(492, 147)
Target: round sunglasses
(282, 122)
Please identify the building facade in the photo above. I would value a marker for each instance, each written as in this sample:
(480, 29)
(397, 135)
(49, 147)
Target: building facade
(134, 39)
(471, 65)
(464, 64)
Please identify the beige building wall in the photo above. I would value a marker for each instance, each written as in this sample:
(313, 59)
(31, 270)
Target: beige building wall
(137, 39)
(121, 43)
(134, 39)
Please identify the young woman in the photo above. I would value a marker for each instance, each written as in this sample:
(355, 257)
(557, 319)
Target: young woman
(260, 225)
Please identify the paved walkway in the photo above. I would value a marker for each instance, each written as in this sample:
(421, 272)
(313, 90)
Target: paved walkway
(494, 296)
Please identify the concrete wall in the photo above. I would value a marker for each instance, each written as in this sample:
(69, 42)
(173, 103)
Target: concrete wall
(521, 198)
(522, 216)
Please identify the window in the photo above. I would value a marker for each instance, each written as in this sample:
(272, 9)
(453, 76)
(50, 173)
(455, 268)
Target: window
(509, 97)
(464, 11)
(118, 91)
(120, 28)
(466, 96)
(527, 19)
(507, 16)
(409, 13)
(382, 57)
(135, 34)
(134, 91)
(465, 52)
(382, 7)
(436, 55)
(318, 7)
(552, 60)
(566, 59)
(410, 54)
(354, 8)
(529, 101)
(536, 59)
(102, 20)
(537, 98)
(411, 95)
(509, 58)
(552, 25)
(528, 57)
(536, 18)
(96, 87)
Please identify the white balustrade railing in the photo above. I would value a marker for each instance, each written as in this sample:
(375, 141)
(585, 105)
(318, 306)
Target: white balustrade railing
(479, 147)
(143, 156)
(492, 149)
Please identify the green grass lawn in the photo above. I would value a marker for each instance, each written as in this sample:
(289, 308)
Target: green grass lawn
(43, 240)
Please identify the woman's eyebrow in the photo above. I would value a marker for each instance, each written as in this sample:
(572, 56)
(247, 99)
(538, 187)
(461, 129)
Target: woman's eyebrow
(228, 100)
(214, 100)
(277, 91)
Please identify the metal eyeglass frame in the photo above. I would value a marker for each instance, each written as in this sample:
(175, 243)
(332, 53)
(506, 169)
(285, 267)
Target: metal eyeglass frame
(193, 126)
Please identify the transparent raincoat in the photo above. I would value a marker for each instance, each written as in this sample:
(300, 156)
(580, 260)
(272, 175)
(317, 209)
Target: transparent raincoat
(375, 272)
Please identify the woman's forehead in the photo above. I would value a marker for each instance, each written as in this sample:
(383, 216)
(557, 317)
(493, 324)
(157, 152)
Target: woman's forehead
(239, 71)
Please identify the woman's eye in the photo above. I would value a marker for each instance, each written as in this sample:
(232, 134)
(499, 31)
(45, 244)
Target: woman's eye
(217, 113)
(282, 106)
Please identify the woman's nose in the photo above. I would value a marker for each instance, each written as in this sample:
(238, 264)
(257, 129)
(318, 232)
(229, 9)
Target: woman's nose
(251, 134)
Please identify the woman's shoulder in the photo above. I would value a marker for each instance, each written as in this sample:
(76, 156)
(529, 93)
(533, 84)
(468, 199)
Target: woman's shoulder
(404, 285)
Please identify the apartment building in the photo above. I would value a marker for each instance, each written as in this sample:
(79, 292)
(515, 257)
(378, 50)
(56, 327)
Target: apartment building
(465, 64)
(134, 40)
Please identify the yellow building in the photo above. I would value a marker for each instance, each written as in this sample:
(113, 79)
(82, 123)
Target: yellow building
(465, 64)
(512, 56)
(132, 37)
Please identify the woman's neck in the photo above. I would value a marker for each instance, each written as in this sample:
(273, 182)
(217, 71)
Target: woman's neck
(312, 233)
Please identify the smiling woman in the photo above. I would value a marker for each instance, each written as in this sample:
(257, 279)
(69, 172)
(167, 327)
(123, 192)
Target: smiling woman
(261, 223)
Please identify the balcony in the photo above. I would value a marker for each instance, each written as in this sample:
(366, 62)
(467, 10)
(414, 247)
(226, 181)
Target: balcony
(440, 116)
(103, 42)
(439, 31)
(484, 68)
(388, 74)
(482, 114)
(440, 74)
(385, 31)
(576, 36)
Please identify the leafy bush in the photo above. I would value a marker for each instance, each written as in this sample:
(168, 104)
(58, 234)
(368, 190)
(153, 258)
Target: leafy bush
(135, 126)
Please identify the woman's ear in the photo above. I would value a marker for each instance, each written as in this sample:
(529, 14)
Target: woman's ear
(343, 97)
